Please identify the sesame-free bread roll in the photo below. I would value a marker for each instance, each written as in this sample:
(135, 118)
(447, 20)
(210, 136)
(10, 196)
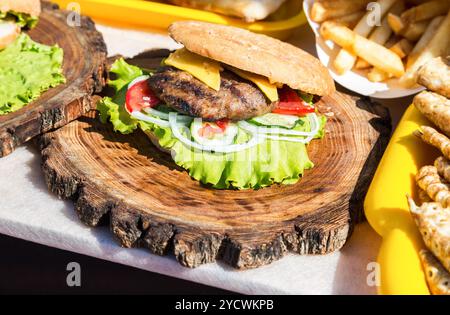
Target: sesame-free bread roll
(279, 61)
(31, 7)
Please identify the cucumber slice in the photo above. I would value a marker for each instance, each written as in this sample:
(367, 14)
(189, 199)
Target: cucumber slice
(276, 120)
(224, 138)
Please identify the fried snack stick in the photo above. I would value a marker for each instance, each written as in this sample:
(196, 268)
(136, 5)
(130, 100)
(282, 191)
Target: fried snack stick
(438, 189)
(435, 108)
(436, 139)
(433, 222)
(423, 197)
(438, 279)
(435, 75)
(443, 167)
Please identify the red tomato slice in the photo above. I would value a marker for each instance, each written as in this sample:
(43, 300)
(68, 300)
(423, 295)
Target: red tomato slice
(291, 112)
(223, 124)
(140, 96)
(292, 104)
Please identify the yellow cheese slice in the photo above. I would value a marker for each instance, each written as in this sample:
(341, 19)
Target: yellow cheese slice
(204, 69)
(269, 89)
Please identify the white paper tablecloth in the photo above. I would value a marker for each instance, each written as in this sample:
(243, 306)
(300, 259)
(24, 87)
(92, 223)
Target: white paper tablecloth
(28, 211)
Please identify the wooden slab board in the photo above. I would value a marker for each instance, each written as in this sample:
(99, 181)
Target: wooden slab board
(84, 68)
(151, 202)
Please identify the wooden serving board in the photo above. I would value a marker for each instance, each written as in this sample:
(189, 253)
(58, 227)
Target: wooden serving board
(85, 71)
(150, 202)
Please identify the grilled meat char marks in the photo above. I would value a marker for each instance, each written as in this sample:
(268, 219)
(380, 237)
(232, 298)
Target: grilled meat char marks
(237, 98)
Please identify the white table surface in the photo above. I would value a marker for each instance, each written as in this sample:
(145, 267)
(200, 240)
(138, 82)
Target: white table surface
(28, 211)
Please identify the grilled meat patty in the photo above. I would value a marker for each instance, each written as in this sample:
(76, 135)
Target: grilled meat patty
(237, 98)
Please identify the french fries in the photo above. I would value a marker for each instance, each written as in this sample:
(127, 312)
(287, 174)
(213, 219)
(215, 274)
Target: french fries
(424, 40)
(414, 30)
(345, 59)
(411, 32)
(382, 33)
(361, 64)
(324, 10)
(376, 54)
(426, 11)
(396, 23)
(350, 20)
(401, 49)
(341, 35)
(378, 75)
(437, 46)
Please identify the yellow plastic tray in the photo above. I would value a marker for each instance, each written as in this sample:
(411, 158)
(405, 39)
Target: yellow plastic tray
(387, 210)
(150, 14)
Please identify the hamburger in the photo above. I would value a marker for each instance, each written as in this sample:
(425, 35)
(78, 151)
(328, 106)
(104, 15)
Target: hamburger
(234, 108)
(27, 68)
(15, 15)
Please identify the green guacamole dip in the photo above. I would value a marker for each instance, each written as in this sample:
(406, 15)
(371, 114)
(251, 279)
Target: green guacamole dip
(27, 69)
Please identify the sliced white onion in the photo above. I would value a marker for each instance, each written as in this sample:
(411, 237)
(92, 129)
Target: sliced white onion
(140, 116)
(282, 131)
(165, 116)
(138, 79)
(315, 125)
(156, 113)
(216, 148)
(174, 122)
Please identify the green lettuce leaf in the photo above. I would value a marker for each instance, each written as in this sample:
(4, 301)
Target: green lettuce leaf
(113, 108)
(263, 165)
(22, 19)
(27, 69)
(124, 73)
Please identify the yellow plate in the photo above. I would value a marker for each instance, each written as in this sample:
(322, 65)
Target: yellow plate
(150, 14)
(387, 210)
